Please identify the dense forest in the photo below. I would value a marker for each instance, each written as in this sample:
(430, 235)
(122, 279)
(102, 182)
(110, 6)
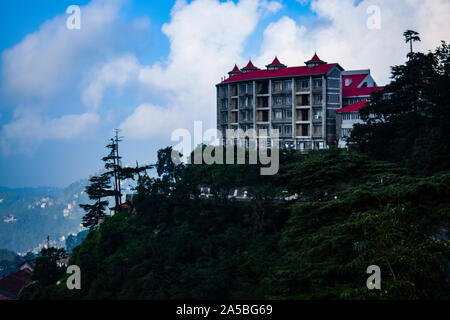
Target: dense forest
(384, 202)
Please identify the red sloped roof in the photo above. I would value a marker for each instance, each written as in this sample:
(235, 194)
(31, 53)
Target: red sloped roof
(315, 58)
(276, 62)
(13, 283)
(356, 80)
(236, 69)
(250, 65)
(282, 72)
(357, 92)
(353, 107)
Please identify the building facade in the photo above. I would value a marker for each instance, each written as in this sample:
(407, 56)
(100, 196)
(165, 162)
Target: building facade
(357, 87)
(300, 102)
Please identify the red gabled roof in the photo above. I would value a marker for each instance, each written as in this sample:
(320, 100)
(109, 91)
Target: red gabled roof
(356, 80)
(15, 282)
(354, 107)
(282, 72)
(358, 92)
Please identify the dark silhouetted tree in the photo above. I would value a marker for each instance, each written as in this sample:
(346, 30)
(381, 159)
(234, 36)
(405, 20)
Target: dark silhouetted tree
(98, 190)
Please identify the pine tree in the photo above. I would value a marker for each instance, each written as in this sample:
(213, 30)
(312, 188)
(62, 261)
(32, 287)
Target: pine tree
(114, 167)
(99, 189)
(411, 36)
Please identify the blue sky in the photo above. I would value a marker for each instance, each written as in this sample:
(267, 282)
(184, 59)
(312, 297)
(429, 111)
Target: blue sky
(149, 67)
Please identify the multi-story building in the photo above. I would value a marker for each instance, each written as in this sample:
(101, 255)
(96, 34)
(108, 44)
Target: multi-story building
(301, 102)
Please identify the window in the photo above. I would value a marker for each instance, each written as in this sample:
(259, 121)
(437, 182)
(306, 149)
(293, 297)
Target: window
(234, 90)
(234, 104)
(263, 116)
(305, 84)
(278, 100)
(288, 100)
(317, 83)
(278, 115)
(225, 116)
(277, 86)
(288, 85)
(262, 88)
(287, 130)
(348, 82)
(333, 98)
(303, 100)
(317, 114)
(288, 114)
(317, 99)
(263, 102)
(317, 130)
(305, 115)
(303, 130)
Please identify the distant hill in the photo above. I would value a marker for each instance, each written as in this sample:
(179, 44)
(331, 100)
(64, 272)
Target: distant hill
(8, 262)
(29, 215)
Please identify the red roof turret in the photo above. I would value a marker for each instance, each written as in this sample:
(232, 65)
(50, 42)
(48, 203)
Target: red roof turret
(234, 71)
(249, 67)
(276, 64)
(315, 61)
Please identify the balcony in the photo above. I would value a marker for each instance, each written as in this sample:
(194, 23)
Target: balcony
(317, 89)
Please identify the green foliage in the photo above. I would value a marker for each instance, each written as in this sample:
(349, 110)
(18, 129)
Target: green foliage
(98, 189)
(412, 125)
(396, 224)
(47, 271)
(182, 247)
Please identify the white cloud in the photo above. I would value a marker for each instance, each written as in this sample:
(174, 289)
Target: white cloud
(28, 130)
(150, 120)
(347, 40)
(281, 39)
(56, 66)
(206, 38)
(118, 73)
(47, 59)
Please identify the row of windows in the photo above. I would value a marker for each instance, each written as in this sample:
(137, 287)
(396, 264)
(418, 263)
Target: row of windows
(263, 115)
(277, 86)
(282, 114)
(349, 101)
(282, 85)
(351, 116)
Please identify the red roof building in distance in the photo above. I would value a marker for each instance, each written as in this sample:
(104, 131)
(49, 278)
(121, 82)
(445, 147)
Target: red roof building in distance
(10, 286)
(300, 102)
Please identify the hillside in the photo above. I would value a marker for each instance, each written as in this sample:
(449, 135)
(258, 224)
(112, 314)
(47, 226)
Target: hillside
(28, 216)
(318, 246)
